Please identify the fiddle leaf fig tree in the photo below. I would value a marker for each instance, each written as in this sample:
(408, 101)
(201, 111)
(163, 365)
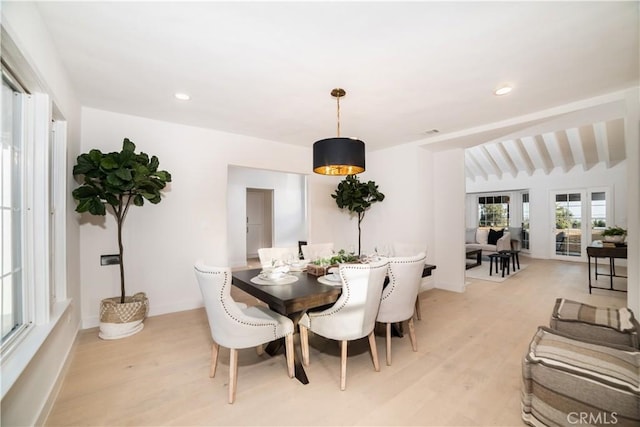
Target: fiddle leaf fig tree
(357, 197)
(115, 181)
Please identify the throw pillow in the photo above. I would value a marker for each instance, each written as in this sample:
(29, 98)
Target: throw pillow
(482, 234)
(494, 236)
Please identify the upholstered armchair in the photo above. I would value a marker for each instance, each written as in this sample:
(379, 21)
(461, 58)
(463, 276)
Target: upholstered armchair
(237, 326)
(399, 296)
(353, 315)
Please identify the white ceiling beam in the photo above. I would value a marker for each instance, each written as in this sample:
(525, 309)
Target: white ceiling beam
(501, 159)
(536, 155)
(472, 153)
(487, 162)
(577, 151)
(602, 143)
(553, 147)
(468, 172)
(471, 166)
(514, 151)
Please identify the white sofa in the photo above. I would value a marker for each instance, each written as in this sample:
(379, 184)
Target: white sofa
(478, 238)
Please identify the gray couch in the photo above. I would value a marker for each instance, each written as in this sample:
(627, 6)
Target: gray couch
(478, 238)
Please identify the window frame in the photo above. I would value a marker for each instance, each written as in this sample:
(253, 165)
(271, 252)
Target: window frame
(504, 199)
(44, 258)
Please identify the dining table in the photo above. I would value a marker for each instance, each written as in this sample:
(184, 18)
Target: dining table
(293, 299)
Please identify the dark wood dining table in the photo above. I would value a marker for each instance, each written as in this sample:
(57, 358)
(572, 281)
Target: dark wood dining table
(293, 300)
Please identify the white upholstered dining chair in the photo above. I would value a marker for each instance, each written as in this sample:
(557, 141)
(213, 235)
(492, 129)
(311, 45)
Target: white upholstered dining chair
(399, 296)
(352, 316)
(411, 249)
(314, 251)
(236, 326)
(269, 256)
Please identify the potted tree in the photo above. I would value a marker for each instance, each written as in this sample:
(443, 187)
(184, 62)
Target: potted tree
(112, 182)
(357, 197)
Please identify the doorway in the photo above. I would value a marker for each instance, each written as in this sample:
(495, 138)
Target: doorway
(570, 222)
(259, 220)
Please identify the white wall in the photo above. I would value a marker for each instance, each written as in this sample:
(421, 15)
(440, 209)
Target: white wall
(401, 175)
(161, 242)
(30, 397)
(289, 208)
(539, 185)
(424, 204)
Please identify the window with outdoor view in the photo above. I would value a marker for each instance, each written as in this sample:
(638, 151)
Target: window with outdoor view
(598, 214)
(11, 262)
(493, 211)
(524, 238)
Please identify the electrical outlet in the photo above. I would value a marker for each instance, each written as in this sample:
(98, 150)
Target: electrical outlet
(109, 259)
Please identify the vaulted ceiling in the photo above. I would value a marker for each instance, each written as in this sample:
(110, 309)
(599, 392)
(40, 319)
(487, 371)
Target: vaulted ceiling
(576, 147)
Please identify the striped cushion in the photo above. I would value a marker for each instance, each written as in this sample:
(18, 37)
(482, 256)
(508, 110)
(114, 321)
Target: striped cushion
(607, 324)
(564, 378)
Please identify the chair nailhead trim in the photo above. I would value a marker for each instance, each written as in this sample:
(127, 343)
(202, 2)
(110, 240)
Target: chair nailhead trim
(222, 295)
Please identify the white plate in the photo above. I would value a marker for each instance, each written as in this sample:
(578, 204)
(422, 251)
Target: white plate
(298, 266)
(286, 280)
(333, 277)
(325, 281)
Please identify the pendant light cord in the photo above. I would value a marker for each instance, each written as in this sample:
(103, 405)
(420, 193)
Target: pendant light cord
(338, 101)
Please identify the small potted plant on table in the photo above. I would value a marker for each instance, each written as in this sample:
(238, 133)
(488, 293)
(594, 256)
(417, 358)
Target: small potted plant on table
(614, 234)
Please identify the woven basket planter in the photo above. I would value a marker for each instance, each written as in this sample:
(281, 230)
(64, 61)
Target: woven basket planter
(120, 320)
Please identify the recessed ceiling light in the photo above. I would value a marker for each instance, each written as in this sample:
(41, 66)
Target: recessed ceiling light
(182, 96)
(503, 90)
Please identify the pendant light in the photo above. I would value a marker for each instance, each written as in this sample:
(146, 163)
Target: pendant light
(339, 155)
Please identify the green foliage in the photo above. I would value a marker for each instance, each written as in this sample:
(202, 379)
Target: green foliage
(115, 180)
(357, 197)
(564, 218)
(614, 231)
(341, 257)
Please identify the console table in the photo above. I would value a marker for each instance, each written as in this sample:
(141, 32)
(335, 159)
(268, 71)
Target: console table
(612, 254)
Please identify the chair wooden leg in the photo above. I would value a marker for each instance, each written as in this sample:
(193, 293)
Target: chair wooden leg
(388, 342)
(374, 351)
(289, 353)
(233, 374)
(214, 360)
(304, 344)
(418, 311)
(412, 335)
(260, 350)
(343, 365)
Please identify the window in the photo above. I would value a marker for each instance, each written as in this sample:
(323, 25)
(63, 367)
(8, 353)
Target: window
(32, 206)
(493, 211)
(524, 238)
(11, 205)
(598, 214)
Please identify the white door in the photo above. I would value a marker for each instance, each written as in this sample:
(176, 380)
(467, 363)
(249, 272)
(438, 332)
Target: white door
(570, 219)
(258, 220)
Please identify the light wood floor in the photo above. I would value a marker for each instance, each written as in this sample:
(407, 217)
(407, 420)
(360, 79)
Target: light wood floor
(466, 372)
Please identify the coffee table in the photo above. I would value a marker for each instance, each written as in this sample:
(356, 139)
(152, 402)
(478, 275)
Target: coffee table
(471, 253)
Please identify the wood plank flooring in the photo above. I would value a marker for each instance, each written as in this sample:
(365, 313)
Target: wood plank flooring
(466, 371)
